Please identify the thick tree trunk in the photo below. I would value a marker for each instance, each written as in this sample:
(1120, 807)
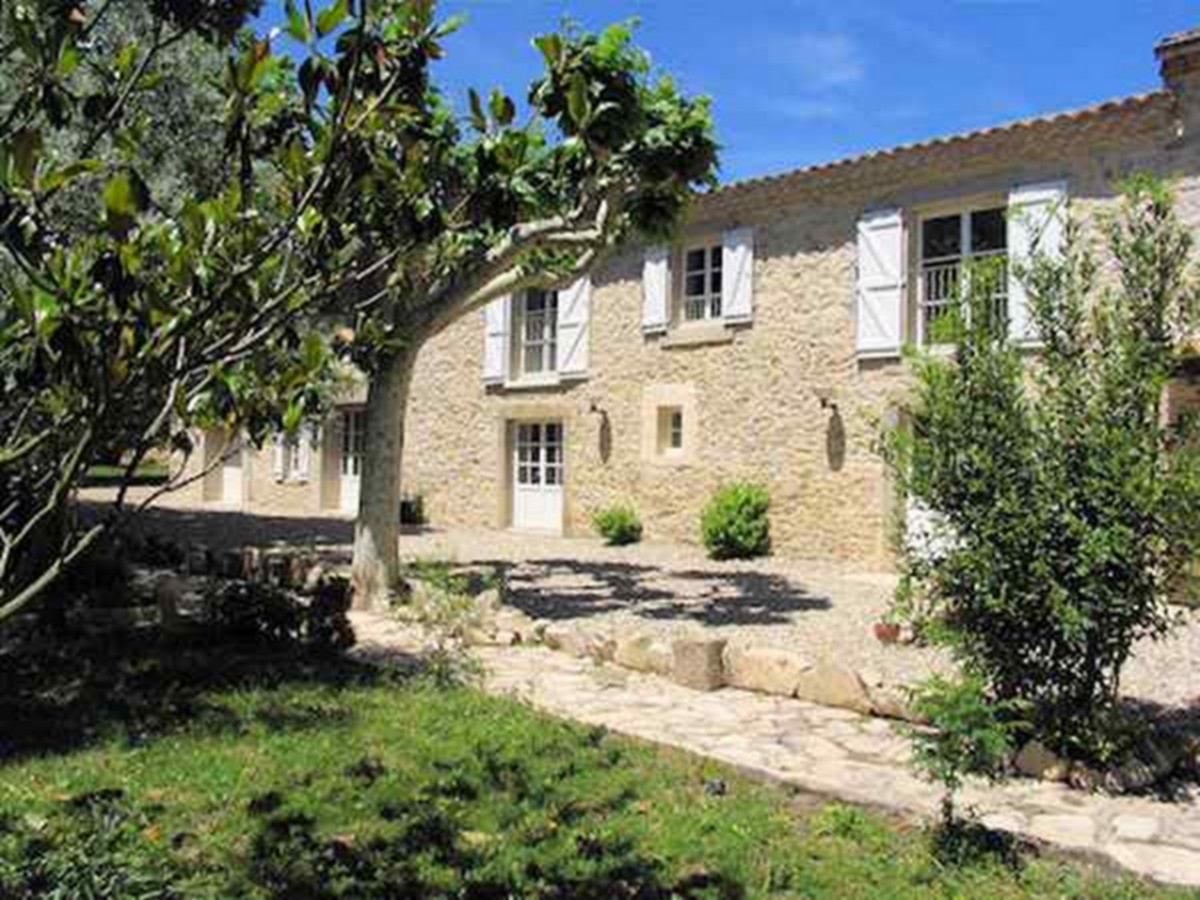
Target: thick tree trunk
(377, 530)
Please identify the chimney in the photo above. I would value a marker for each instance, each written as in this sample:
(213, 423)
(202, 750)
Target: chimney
(1179, 60)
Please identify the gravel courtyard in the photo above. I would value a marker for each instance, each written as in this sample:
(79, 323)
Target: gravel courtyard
(816, 609)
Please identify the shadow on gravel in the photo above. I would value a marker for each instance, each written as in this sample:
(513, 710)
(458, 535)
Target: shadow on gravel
(709, 597)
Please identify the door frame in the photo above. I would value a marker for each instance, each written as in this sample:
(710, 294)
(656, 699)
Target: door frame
(505, 420)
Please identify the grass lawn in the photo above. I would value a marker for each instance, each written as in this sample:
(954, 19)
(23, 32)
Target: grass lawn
(165, 772)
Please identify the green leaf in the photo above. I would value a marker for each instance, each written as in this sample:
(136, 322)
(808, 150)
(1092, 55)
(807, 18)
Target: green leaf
(297, 23)
(551, 47)
(478, 119)
(451, 25)
(578, 104)
(26, 149)
(331, 17)
(125, 195)
(503, 109)
(63, 175)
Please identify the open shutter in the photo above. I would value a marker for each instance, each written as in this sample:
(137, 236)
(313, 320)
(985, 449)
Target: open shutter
(656, 289)
(737, 283)
(496, 316)
(307, 437)
(278, 457)
(880, 292)
(574, 303)
(1036, 216)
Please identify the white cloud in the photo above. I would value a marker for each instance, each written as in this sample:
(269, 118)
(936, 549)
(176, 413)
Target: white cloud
(820, 60)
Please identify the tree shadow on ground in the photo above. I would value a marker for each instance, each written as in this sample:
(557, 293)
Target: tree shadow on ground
(564, 589)
(1172, 728)
(134, 686)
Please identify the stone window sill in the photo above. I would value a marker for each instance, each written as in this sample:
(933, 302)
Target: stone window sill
(698, 334)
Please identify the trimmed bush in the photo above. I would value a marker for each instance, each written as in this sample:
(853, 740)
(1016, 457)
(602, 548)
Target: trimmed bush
(734, 524)
(618, 525)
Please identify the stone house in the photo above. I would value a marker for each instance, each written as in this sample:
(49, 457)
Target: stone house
(763, 344)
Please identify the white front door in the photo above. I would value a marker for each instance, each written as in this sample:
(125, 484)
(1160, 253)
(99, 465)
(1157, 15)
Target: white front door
(353, 443)
(231, 474)
(538, 476)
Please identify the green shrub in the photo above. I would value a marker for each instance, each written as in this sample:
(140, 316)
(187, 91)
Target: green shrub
(618, 525)
(734, 525)
(1064, 503)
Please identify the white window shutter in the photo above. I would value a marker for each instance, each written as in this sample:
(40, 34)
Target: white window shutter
(656, 289)
(880, 292)
(307, 437)
(1036, 219)
(737, 279)
(497, 316)
(279, 457)
(574, 303)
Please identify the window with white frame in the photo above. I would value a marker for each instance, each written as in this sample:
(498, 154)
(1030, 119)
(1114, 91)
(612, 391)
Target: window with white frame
(702, 282)
(670, 430)
(536, 350)
(950, 243)
(293, 459)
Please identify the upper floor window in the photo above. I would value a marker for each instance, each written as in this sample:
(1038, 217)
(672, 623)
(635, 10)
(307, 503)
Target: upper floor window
(949, 244)
(536, 332)
(702, 283)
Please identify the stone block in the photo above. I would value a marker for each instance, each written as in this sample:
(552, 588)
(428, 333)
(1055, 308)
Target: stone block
(768, 670)
(575, 641)
(508, 619)
(1038, 761)
(643, 653)
(832, 685)
(231, 563)
(698, 663)
(199, 560)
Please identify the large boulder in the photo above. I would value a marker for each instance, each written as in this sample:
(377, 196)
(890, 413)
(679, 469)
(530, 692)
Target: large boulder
(832, 685)
(698, 663)
(643, 653)
(768, 670)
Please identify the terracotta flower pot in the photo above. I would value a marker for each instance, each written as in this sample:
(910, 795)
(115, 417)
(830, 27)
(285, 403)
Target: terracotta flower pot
(886, 632)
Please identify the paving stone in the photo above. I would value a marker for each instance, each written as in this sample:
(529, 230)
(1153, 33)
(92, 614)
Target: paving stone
(1135, 828)
(1065, 830)
(1171, 864)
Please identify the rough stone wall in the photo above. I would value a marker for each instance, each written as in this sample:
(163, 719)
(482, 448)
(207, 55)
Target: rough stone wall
(757, 395)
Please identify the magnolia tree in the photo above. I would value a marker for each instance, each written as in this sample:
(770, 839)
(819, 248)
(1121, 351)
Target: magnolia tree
(480, 209)
(137, 308)
(1065, 501)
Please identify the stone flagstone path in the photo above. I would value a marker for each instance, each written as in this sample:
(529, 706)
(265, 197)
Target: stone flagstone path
(834, 752)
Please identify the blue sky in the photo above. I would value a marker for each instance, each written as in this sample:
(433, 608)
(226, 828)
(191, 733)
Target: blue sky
(795, 82)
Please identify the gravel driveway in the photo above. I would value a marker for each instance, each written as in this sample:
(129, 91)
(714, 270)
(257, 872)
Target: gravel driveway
(818, 609)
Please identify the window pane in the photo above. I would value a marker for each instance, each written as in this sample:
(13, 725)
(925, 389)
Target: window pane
(714, 256)
(535, 301)
(552, 433)
(715, 306)
(695, 285)
(694, 309)
(988, 230)
(941, 237)
(714, 282)
(695, 261)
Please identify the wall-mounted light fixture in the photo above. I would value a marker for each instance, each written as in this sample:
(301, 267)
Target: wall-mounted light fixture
(824, 396)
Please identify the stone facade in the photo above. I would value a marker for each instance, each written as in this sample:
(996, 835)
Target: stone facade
(784, 399)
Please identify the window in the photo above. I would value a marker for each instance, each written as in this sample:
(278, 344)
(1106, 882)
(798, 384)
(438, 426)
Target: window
(670, 430)
(702, 283)
(292, 458)
(537, 333)
(353, 442)
(539, 454)
(947, 242)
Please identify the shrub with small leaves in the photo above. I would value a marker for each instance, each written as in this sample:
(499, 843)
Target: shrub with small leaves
(734, 524)
(618, 525)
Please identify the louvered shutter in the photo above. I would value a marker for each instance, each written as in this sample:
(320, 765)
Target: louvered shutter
(574, 303)
(880, 291)
(496, 316)
(737, 281)
(278, 457)
(1036, 218)
(656, 289)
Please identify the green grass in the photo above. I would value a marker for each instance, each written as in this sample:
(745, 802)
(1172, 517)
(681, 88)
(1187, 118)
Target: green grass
(182, 776)
(147, 473)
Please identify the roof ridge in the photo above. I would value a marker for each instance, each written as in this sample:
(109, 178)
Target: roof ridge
(1103, 106)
